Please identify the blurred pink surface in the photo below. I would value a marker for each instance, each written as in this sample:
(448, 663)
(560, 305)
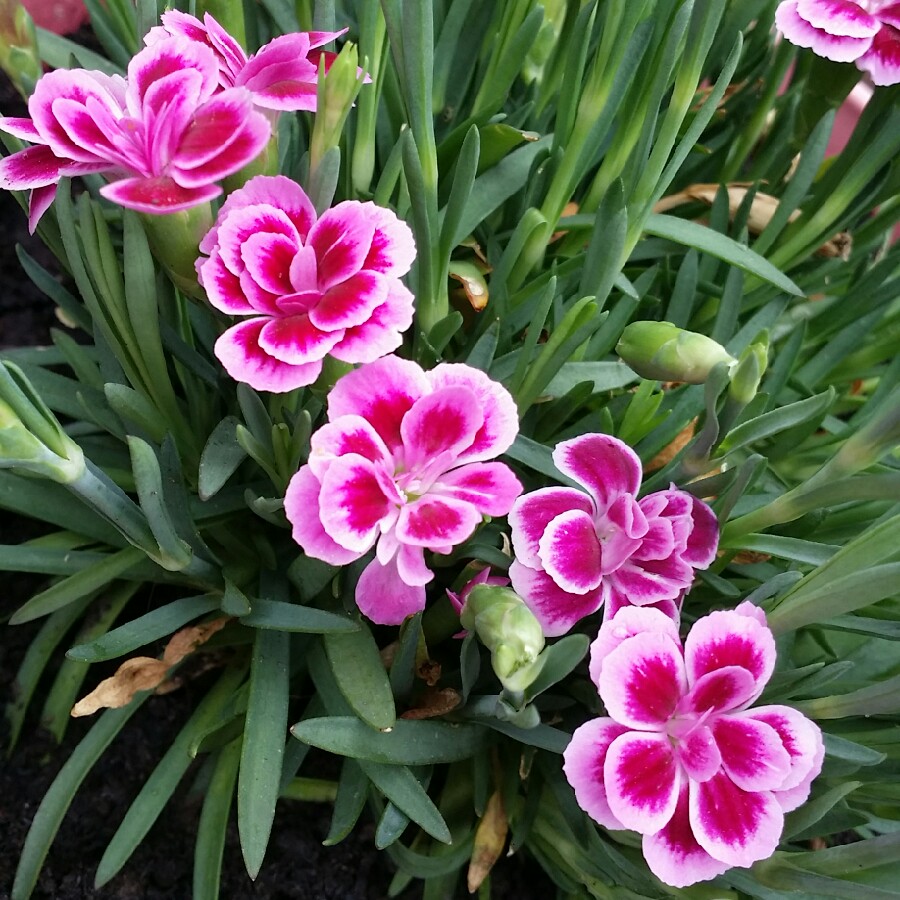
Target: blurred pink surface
(59, 16)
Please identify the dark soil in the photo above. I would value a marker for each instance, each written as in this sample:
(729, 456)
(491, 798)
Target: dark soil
(296, 866)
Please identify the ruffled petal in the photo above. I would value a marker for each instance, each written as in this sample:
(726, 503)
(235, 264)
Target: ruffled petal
(532, 513)
(642, 681)
(242, 223)
(649, 581)
(342, 239)
(354, 501)
(753, 754)
(583, 762)
(268, 259)
(244, 360)
(501, 417)
(39, 201)
(800, 737)
(570, 552)
(642, 780)
(841, 17)
(157, 195)
(382, 393)
(393, 247)
(630, 621)
(280, 75)
(703, 541)
(673, 854)
(557, 610)
(411, 566)
(882, 59)
(736, 826)
(699, 754)
(490, 487)
(383, 597)
(301, 506)
(349, 434)
(434, 521)
(33, 167)
(721, 690)
(438, 427)
(382, 333)
(295, 340)
(728, 638)
(605, 466)
(350, 303)
(798, 30)
(166, 58)
(617, 601)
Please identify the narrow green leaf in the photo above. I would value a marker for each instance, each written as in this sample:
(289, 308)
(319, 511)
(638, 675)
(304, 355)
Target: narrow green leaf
(281, 616)
(560, 659)
(408, 743)
(359, 672)
(691, 234)
(76, 586)
(880, 698)
(349, 803)
(213, 825)
(220, 458)
(163, 781)
(788, 548)
(460, 193)
(266, 725)
(59, 796)
(158, 623)
(813, 810)
(402, 788)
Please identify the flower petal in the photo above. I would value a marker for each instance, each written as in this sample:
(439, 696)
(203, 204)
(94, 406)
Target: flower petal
(433, 521)
(798, 31)
(753, 754)
(168, 57)
(532, 513)
(721, 690)
(841, 17)
(24, 129)
(295, 340)
(280, 74)
(244, 360)
(699, 754)
(157, 195)
(583, 762)
(39, 202)
(438, 427)
(642, 780)
(630, 621)
(728, 638)
(242, 223)
(301, 506)
(223, 287)
(882, 59)
(490, 487)
(570, 552)
(501, 417)
(382, 333)
(605, 466)
(703, 541)
(673, 854)
(622, 529)
(652, 580)
(557, 610)
(617, 601)
(32, 167)
(411, 565)
(342, 239)
(642, 680)
(736, 826)
(393, 247)
(382, 392)
(354, 500)
(383, 597)
(350, 303)
(349, 434)
(800, 737)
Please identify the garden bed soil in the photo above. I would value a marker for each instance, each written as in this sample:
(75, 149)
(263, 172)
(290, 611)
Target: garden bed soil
(297, 866)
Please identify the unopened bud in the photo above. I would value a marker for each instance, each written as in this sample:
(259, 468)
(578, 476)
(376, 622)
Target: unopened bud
(506, 626)
(665, 352)
(20, 449)
(19, 56)
(748, 372)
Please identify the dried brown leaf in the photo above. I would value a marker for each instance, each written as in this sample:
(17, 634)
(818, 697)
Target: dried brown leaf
(490, 838)
(141, 673)
(668, 453)
(189, 639)
(434, 703)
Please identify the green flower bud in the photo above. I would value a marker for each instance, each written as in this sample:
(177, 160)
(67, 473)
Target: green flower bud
(748, 372)
(508, 628)
(19, 56)
(20, 449)
(665, 352)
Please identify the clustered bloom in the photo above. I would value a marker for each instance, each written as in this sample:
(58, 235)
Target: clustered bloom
(681, 758)
(866, 32)
(579, 549)
(186, 116)
(281, 75)
(311, 286)
(401, 466)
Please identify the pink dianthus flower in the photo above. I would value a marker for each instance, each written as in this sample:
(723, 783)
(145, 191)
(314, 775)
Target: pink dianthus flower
(681, 758)
(866, 32)
(163, 137)
(312, 286)
(577, 550)
(401, 467)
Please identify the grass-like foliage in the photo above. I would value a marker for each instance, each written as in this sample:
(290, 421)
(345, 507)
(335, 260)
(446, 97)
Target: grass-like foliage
(570, 290)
